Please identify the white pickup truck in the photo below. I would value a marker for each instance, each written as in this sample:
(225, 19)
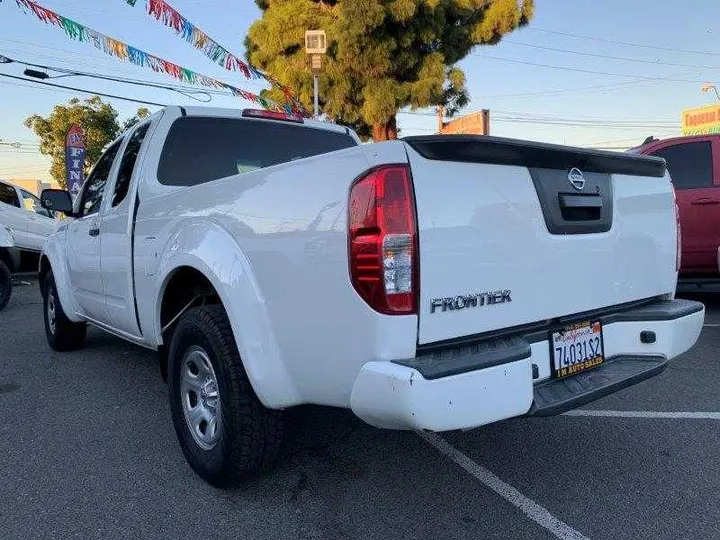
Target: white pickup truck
(432, 283)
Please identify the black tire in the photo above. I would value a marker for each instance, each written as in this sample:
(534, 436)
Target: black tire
(5, 285)
(66, 335)
(250, 436)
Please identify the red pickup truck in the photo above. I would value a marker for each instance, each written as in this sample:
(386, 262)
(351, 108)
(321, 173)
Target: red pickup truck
(694, 165)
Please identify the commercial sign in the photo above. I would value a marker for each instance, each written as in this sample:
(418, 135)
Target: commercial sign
(74, 159)
(701, 121)
(473, 124)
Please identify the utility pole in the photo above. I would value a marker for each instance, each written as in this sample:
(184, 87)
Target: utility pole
(316, 48)
(316, 92)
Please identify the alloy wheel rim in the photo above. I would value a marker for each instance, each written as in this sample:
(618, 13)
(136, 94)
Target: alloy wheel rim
(200, 395)
(51, 312)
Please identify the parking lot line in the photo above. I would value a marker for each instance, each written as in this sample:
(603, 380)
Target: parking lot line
(530, 508)
(647, 414)
(710, 325)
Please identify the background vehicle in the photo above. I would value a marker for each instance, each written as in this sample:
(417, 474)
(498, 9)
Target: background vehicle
(7, 248)
(432, 283)
(694, 165)
(24, 227)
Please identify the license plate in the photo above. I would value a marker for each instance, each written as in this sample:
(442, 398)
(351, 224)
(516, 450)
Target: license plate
(577, 348)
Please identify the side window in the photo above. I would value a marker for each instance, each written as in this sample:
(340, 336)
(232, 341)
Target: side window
(127, 165)
(8, 195)
(690, 164)
(32, 204)
(92, 193)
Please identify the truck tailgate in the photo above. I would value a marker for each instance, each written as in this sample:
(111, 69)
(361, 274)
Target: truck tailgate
(506, 239)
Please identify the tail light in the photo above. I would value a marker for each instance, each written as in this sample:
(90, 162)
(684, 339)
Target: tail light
(678, 255)
(383, 240)
(272, 115)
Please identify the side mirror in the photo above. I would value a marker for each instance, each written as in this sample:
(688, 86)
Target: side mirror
(57, 200)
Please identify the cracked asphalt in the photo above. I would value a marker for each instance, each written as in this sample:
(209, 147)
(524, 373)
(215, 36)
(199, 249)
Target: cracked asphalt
(88, 451)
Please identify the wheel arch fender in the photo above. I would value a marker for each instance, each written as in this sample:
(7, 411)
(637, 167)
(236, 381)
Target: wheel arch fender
(208, 248)
(6, 238)
(52, 258)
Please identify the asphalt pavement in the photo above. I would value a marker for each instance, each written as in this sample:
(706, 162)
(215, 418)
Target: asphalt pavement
(88, 451)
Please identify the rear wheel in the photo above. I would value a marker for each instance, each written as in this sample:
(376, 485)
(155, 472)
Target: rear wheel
(224, 431)
(62, 333)
(5, 285)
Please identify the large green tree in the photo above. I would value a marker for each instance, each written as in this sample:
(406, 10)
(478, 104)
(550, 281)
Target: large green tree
(99, 121)
(383, 55)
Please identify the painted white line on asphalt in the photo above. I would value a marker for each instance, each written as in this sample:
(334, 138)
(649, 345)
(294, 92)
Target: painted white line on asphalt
(647, 414)
(531, 509)
(711, 325)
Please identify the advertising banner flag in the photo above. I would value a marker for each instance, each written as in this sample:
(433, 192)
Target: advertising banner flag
(74, 159)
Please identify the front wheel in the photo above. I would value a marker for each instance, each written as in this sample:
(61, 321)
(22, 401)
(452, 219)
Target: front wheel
(62, 333)
(5, 285)
(224, 430)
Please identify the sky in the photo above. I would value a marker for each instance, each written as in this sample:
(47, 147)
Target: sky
(584, 72)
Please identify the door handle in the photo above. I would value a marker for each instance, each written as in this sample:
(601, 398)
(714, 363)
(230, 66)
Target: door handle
(94, 232)
(706, 200)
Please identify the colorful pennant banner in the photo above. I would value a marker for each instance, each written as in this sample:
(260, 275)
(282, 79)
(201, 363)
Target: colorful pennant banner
(118, 49)
(162, 11)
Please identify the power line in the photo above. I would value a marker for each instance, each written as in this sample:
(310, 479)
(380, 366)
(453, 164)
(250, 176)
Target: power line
(579, 124)
(527, 117)
(15, 145)
(580, 70)
(619, 141)
(618, 42)
(584, 117)
(44, 83)
(109, 67)
(125, 80)
(597, 89)
(622, 58)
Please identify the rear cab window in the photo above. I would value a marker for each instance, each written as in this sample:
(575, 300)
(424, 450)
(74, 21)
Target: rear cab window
(203, 149)
(690, 164)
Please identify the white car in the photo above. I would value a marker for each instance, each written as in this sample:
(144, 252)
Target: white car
(24, 227)
(432, 283)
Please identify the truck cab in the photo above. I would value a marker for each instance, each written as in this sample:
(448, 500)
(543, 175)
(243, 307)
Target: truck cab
(694, 165)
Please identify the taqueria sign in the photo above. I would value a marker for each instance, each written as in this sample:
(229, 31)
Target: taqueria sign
(701, 121)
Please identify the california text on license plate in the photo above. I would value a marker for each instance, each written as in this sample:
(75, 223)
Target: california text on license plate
(577, 348)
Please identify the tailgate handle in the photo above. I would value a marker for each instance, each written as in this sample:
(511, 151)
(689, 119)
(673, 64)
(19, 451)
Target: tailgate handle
(580, 201)
(706, 200)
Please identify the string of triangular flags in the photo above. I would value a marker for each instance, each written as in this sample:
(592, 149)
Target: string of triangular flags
(119, 49)
(163, 12)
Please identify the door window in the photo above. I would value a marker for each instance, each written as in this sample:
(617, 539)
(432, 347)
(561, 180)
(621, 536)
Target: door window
(690, 164)
(8, 195)
(127, 165)
(32, 204)
(95, 184)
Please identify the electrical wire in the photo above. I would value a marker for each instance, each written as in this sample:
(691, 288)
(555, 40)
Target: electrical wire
(136, 82)
(107, 65)
(523, 117)
(618, 42)
(580, 70)
(44, 83)
(622, 58)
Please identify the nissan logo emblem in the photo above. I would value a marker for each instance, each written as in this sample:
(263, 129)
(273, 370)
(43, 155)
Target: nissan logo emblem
(576, 178)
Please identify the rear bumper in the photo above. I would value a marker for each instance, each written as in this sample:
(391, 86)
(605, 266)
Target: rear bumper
(695, 284)
(474, 386)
